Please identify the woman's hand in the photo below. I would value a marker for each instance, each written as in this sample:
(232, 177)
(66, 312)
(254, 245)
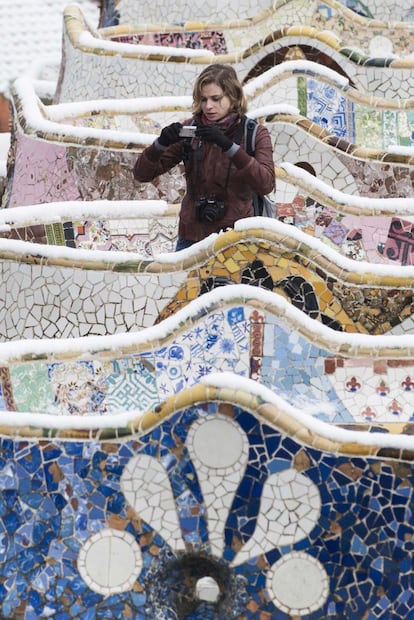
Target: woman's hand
(170, 134)
(215, 135)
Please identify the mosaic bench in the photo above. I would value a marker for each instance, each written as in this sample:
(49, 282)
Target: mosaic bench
(318, 92)
(128, 11)
(110, 176)
(326, 97)
(366, 25)
(351, 168)
(223, 499)
(378, 230)
(250, 455)
(95, 68)
(370, 36)
(61, 292)
(246, 330)
(375, 230)
(67, 152)
(144, 227)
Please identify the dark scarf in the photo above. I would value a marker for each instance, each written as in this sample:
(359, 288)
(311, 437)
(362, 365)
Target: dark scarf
(228, 121)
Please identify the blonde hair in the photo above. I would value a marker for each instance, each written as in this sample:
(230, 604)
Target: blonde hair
(225, 77)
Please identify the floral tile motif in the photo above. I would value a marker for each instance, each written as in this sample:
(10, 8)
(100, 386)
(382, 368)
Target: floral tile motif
(239, 339)
(277, 526)
(220, 343)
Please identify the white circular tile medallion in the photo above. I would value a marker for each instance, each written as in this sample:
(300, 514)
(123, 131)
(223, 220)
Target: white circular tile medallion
(297, 584)
(110, 561)
(217, 442)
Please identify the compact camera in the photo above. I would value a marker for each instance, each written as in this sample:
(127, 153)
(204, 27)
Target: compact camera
(210, 209)
(187, 131)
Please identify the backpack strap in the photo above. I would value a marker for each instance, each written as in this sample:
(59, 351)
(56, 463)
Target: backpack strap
(250, 128)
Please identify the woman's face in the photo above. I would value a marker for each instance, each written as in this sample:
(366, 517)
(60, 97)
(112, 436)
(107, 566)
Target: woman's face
(215, 105)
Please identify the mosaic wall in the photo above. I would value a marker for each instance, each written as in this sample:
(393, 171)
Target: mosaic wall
(251, 339)
(236, 35)
(381, 10)
(44, 169)
(105, 69)
(269, 16)
(104, 171)
(254, 523)
(127, 11)
(381, 238)
(226, 432)
(90, 293)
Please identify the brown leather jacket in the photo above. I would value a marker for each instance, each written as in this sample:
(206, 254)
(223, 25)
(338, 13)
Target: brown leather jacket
(213, 174)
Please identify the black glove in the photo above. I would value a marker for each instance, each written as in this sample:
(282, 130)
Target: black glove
(170, 134)
(213, 134)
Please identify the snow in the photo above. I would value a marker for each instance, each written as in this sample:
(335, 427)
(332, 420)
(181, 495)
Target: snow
(31, 32)
(340, 342)
(332, 432)
(154, 208)
(337, 259)
(82, 348)
(81, 210)
(374, 204)
(38, 119)
(295, 67)
(46, 118)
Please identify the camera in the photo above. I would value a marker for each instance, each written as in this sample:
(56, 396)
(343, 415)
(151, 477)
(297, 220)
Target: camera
(210, 209)
(187, 131)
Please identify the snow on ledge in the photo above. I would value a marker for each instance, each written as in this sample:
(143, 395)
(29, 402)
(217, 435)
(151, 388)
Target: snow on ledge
(322, 248)
(52, 212)
(111, 257)
(347, 344)
(86, 39)
(38, 118)
(341, 198)
(230, 381)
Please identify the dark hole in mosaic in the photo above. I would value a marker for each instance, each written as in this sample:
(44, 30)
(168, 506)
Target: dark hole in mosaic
(174, 582)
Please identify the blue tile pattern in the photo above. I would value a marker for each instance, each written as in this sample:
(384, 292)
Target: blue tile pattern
(57, 493)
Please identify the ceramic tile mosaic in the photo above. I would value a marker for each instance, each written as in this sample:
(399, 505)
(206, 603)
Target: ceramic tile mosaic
(266, 344)
(306, 276)
(71, 302)
(128, 12)
(218, 489)
(254, 21)
(104, 172)
(373, 238)
(196, 451)
(146, 228)
(110, 178)
(108, 69)
(381, 9)
(78, 294)
(79, 173)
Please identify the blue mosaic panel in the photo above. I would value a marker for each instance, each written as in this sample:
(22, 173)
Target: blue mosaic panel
(326, 107)
(58, 494)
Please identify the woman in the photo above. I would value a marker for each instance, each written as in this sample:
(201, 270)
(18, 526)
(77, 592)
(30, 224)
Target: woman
(221, 177)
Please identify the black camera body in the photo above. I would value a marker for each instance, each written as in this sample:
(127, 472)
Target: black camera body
(210, 209)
